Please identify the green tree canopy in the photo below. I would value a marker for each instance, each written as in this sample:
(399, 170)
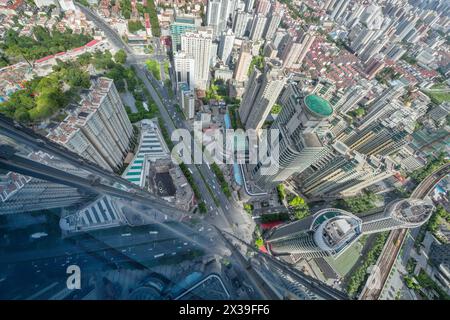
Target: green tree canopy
(120, 56)
(43, 43)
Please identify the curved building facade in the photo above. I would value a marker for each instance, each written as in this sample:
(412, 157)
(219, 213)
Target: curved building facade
(404, 213)
(331, 231)
(326, 233)
(300, 125)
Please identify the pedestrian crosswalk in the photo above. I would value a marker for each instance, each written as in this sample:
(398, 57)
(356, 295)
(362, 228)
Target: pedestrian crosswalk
(99, 213)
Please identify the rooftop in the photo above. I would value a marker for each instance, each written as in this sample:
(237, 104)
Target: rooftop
(335, 229)
(89, 105)
(411, 211)
(318, 106)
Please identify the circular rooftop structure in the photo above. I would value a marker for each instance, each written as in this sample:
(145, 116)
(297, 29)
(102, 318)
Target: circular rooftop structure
(335, 229)
(318, 106)
(411, 213)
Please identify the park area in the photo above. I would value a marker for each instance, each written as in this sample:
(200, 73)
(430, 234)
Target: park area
(345, 262)
(439, 93)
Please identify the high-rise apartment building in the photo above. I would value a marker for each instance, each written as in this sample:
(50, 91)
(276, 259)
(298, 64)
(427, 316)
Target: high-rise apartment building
(280, 38)
(263, 89)
(327, 4)
(99, 129)
(187, 100)
(272, 26)
(405, 27)
(179, 26)
(226, 46)
(198, 45)
(241, 22)
(384, 105)
(343, 173)
(218, 15)
(263, 7)
(258, 26)
(324, 88)
(385, 136)
(296, 48)
(326, 233)
(184, 66)
(249, 4)
(243, 63)
(312, 112)
(299, 143)
(213, 18)
(339, 9)
(352, 96)
(405, 213)
(441, 112)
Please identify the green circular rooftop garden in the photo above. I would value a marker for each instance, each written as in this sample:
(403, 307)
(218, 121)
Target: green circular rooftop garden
(318, 106)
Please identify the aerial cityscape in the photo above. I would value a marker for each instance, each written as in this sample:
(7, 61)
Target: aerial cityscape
(225, 150)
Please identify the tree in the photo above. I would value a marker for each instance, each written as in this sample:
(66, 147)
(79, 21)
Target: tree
(120, 56)
(359, 112)
(155, 68)
(125, 6)
(257, 62)
(358, 204)
(281, 192)
(42, 43)
(358, 277)
(134, 26)
(301, 212)
(300, 207)
(276, 109)
(153, 16)
(297, 201)
(432, 165)
(259, 242)
(411, 283)
(85, 58)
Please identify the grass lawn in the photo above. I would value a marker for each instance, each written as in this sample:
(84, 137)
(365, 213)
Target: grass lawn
(345, 261)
